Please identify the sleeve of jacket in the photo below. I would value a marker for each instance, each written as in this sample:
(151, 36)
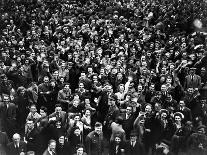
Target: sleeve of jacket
(88, 145)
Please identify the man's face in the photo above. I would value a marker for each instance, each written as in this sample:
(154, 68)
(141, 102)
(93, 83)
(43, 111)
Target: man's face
(30, 124)
(163, 88)
(52, 146)
(148, 109)
(128, 110)
(182, 104)
(67, 87)
(46, 80)
(111, 102)
(16, 139)
(33, 109)
(42, 113)
(6, 99)
(163, 115)
(58, 109)
(98, 130)
(77, 132)
(190, 90)
(133, 138)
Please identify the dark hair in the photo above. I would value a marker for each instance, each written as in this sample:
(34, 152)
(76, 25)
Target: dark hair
(98, 124)
(43, 108)
(80, 146)
(119, 120)
(58, 105)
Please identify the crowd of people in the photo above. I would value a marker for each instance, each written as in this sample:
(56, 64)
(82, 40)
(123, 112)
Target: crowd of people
(94, 77)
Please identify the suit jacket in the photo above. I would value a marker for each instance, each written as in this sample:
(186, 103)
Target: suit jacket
(3, 142)
(46, 152)
(11, 150)
(128, 123)
(195, 83)
(94, 144)
(31, 138)
(8, 118)
(137, 149)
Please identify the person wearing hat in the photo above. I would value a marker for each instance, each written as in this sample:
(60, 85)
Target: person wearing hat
(94, 141)
(178, 117)
(185, 111)
(134, 146)
(192, 80)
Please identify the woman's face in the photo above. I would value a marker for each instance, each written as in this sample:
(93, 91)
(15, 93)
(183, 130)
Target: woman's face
(80, 151)
(121, 87)
(117, 140)
(88, 113)
(177, 119)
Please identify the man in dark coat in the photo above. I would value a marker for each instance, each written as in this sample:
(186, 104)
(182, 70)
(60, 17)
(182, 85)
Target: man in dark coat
(3, 142)
(133, 146)
(129, 118)
(16, 147)
(31, 135)
(94, 141)
(51, 149)
(7, 116)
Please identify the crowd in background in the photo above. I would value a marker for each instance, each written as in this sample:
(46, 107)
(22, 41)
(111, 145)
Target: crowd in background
(117, 77)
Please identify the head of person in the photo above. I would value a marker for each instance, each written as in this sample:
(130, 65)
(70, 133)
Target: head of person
(67, 87)
(58, 108)
(77, 131)
(30, 124)
(80, 149)
(133, 136)
(43, 111)
(33, 108)
(112, 100)
(61, 140)
(201, 129)
(178, 116)
(148, 108)
(129, 110)
(98, 128)
(77, 117)
(52, 145)
(87, 112)
(16, 138)
(46, 80)
(6, 99)
(182, 103)
(117, 138)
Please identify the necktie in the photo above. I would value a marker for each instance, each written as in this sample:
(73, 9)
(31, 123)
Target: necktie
(117, 147)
